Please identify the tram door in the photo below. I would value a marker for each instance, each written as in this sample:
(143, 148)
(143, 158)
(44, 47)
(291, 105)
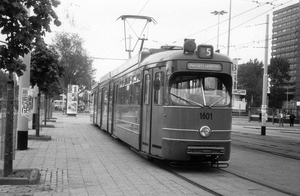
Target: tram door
(104, 107)
(110, 109)
(98, 116)
(152, 111)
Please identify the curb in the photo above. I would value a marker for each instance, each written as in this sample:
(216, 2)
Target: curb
(272, 128)
(48, 126)
(41, 137)
(34, 178)
(50, 120)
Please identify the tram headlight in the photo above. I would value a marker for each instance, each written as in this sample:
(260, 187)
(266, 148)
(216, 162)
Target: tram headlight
(205, 131)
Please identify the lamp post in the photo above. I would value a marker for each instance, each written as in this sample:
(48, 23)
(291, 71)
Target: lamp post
(265, 83)
(218, 13)
(287, 96)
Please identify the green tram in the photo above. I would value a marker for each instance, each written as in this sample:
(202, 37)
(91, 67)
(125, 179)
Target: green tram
(172, 103)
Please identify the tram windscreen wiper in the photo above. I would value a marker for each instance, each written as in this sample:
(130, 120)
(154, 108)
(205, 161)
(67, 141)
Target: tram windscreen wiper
(187, 100)
(217, 101)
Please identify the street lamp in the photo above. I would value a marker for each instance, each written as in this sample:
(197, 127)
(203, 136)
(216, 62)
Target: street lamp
(218, 13)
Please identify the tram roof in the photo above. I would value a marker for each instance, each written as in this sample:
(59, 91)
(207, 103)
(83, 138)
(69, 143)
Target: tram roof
(134, 61)
(168, 55)
(159, 55)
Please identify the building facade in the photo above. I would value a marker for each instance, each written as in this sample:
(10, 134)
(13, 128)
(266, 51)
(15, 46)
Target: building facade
(286, 44)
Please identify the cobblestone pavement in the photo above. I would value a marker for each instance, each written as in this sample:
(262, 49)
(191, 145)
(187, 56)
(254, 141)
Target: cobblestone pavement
(83, 160)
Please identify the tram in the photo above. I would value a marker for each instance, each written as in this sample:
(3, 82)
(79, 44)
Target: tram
(172, 103)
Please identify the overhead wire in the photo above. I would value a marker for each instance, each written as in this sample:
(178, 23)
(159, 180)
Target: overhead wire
(216, 24)
(254, 18)
(242, 24)
(235, 17)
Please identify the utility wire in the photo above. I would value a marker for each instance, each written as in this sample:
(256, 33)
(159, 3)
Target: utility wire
(217, 24)
(116, 59)
(242, 23)
(235, 17)
(259, 24)
(250, 20)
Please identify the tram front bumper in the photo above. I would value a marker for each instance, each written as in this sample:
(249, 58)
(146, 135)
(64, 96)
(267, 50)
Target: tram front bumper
(184, 150)
(203, 150)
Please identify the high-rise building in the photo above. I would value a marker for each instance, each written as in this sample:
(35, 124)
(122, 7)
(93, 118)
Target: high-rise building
(286, 44)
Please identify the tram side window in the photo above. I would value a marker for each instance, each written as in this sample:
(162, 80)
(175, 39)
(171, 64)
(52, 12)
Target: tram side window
(136, 93)
(105, 94)
(116, 100)
(128, 94)
(158, 85)
(135, 89)
(147, 90)
(121, 94)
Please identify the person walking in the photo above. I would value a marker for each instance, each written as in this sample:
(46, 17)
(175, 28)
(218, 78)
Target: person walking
(281, 119)
(292, 119)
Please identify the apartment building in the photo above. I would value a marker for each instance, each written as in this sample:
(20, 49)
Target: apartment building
(286, 44)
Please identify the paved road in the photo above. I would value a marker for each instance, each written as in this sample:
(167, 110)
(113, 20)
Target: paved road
(259, 157)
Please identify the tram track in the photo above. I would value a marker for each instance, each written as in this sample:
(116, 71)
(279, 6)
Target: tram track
(196, 176)
(282, 148)
(166, 166)
(214, 170)
(252, 147)
(278, 151)
(186, 179)
(201, 171)
(258, 182)
(196, 184)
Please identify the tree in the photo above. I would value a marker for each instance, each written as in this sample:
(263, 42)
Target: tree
(22, 33)
(75, 60)
(278, 72)
(3, 81)
(46, 72)
(250, 78)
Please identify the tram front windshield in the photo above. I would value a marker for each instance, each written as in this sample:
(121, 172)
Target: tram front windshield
(200, 90)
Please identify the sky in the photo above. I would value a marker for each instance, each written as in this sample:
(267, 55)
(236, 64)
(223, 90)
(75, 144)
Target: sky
(97, 23)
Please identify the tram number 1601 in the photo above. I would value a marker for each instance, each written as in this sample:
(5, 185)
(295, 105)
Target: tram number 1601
(205, 116)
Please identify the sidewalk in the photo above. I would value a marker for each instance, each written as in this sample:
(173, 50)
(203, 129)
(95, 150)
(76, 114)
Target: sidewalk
(83, 160)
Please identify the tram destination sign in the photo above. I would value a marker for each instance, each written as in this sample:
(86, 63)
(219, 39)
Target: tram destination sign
(205, 66)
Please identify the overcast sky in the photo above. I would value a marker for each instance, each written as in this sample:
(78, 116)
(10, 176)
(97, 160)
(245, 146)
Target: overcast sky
(96, 22)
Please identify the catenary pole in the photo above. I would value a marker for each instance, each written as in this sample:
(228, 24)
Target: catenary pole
(265, 82)
(229, 27)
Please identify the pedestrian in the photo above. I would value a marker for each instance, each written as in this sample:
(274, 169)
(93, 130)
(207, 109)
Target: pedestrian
(292, 119)
(280, 119)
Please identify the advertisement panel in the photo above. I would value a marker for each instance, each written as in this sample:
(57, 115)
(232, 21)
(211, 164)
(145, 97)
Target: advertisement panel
(25, 103)
(72, 99)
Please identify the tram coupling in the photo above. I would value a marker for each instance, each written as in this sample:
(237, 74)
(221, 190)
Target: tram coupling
(216, 164)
